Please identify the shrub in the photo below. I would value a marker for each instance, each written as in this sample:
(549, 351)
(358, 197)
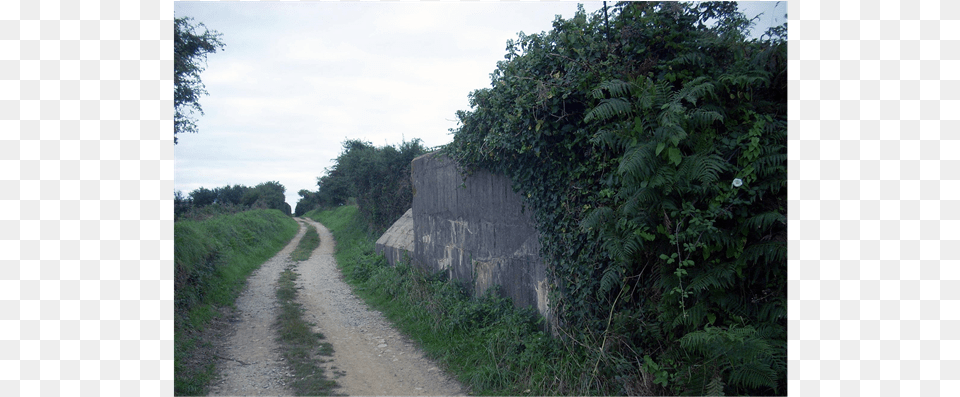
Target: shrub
(652, 146)
(377, 177)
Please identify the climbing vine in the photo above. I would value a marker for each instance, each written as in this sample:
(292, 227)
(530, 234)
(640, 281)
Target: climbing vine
(654, 156)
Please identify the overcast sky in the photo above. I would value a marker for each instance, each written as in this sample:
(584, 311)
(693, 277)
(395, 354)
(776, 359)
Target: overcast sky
(297, 79)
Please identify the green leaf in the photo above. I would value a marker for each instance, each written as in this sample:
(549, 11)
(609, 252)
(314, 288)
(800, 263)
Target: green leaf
(674, 155)
(660, 147)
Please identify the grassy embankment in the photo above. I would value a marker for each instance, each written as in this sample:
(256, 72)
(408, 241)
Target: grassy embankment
(302, 348)
(212, 259)
(491, 347)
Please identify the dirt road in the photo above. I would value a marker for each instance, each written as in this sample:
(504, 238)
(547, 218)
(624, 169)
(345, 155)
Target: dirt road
(375, 359)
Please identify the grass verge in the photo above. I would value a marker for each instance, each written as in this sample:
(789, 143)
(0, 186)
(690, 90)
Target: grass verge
(212, 260)
(302, 347)
(309, 242)
(489, 345)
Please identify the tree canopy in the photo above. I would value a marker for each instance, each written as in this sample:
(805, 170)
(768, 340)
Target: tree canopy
(377, 177)
(190, 49)
(203, 202)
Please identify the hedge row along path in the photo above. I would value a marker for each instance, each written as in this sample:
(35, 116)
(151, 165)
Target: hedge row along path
(372, 356)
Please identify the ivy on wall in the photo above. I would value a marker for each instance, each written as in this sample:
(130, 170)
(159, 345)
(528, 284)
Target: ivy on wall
(652, 146)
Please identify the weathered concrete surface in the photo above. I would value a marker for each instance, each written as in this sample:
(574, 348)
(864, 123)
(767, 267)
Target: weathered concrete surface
(397, 242)
(477, 231)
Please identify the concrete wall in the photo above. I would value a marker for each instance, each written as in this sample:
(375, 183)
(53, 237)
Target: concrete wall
(477, 231)
(397, 242)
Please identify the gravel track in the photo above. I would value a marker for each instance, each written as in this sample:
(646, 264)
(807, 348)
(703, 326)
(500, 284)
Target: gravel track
(373, 357)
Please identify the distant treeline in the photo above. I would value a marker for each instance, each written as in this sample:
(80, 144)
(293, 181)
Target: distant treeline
(378, 178)
(204, 202)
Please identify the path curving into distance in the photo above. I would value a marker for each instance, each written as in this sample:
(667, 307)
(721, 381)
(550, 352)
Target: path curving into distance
(372, 356)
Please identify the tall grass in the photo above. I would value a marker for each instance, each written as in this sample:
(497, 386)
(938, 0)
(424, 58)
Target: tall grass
(212, 260)
(489, 345)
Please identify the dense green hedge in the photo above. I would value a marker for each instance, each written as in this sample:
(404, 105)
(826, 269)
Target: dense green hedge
(652, 146)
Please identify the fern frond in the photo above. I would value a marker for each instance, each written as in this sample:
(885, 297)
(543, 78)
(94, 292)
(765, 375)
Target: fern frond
(596, 217)
(752, 374)
(638, 161)
(640, 200)
(763, 221)
(701, 167)
(616, 88)
(743, 81)
(715, 387)
(690, 58)
(694, 90)
(609, 139)
(632, 245)
(607, 109)
(612, 278)
(699, 341)
(771, 164)
(772, 311)
(702, 117)
(719, 277)
(774, 252)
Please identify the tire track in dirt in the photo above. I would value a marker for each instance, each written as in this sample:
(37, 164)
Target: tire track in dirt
(250, 362)
(375, 357)
(370, 354)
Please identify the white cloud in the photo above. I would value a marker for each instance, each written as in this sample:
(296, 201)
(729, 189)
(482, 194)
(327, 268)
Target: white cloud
(297, 78)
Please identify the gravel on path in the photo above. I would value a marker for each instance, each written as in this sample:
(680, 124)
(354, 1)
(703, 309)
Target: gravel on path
(372, 356)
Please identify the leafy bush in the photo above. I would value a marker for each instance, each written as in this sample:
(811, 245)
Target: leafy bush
(308, 202)
(378, 177)
(203, 203)
(652, 146)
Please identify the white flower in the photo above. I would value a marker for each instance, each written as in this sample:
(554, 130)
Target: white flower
(737, 182)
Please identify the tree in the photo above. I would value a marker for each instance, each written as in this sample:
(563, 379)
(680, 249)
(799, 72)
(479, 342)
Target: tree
(308, 201)
(190, 51)
(231, 195)
(377, 177)
(203, 197)
(267, 195)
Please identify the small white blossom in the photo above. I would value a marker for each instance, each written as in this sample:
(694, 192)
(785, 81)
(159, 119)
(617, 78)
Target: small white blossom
(737, 182)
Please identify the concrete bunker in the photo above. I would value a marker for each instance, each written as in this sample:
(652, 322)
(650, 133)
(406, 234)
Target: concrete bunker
(474, 228)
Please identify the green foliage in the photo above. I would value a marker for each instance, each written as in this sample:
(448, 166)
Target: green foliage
(190, 50)
(203, 203)
(268, 195)
(203, 197)
(308, 201)
(230, 194)
(378, 177)
(655, 160)
(212, 259)
(309, 242)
